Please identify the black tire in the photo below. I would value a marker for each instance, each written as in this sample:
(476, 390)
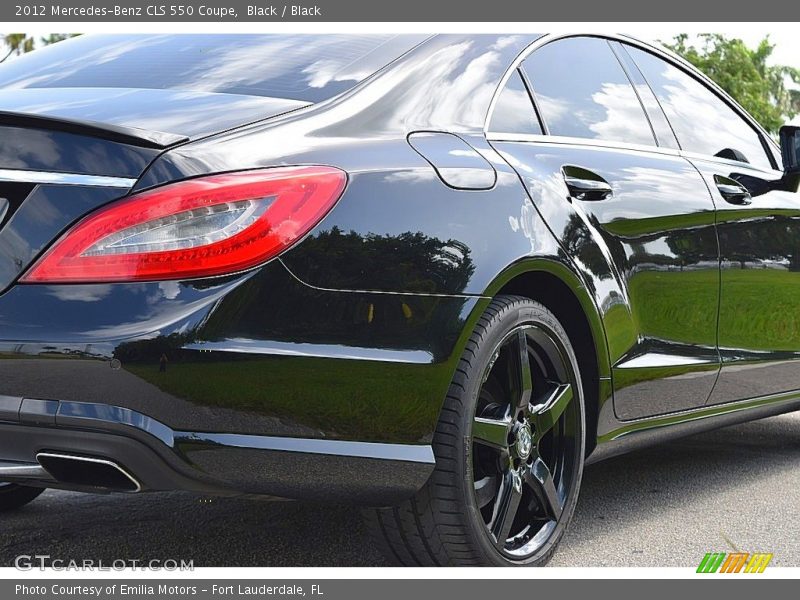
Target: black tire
(13, 496)
(445, 523)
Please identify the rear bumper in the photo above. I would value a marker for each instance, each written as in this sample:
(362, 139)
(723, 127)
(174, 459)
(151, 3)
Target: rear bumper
(256, 384)
(159, 458)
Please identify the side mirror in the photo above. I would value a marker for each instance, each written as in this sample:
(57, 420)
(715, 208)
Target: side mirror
(790, 147)
(790, 152)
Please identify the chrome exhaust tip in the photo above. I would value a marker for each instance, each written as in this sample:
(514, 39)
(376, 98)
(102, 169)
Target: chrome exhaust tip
(88, 471)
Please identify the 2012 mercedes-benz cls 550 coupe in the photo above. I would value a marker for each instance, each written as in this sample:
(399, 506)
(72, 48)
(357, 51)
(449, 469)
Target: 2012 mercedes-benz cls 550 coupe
(434, 276)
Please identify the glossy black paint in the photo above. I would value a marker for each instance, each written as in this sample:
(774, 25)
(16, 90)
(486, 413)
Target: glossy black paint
(307, 68)
(35, 215)
(336, 356)
(759, 333)
(456, 163)
(40, 215)
(172, 116)
(44, 146)
(258, 354)
(423, 90)
(156, 457)
(633, 247)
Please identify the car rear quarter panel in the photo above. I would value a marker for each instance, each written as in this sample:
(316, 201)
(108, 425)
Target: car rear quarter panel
(355, 333)
(399, 231)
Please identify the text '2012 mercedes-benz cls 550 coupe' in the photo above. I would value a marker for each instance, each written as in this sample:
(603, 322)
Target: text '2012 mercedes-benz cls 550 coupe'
(434, 276)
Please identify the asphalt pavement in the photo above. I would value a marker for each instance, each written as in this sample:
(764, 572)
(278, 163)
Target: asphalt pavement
(735, 488)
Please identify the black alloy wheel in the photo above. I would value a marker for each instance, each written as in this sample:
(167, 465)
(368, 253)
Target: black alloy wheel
(524, 440)
(509, 450)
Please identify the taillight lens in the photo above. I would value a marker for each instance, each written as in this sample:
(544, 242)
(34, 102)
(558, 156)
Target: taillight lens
(196, 228)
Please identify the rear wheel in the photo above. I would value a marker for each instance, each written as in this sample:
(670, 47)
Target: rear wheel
(14, 496)
(509, 450)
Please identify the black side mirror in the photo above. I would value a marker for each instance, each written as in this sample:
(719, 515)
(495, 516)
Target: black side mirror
(790, 152)
(790, 148)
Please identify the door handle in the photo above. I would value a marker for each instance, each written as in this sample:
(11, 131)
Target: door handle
(585, 185)
(732, 191)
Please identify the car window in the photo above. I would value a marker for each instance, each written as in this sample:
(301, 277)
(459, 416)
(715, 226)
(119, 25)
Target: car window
(703, 122)
(513, 111)
(658, 120)
(582, 91)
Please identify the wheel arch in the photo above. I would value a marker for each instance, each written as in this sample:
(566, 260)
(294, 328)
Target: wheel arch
(556, 286)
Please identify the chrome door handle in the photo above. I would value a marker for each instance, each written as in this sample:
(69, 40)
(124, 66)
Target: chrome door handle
(585, 185)
(732, 191)
(582, 186)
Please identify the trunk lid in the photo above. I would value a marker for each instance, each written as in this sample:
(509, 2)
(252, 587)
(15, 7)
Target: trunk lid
(81, 120)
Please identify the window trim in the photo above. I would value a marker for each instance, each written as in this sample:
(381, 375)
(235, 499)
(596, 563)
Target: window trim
(531, 98)
(629, 76)
(620, 49)
(669, 57)
(534, 101)
(575, 141)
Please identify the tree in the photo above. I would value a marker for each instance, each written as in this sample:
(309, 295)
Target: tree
(762, 89)
(19, 43)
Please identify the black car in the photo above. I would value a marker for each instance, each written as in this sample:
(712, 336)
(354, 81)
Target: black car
(434, 276)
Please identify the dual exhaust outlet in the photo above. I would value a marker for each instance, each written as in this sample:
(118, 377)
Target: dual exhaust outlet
(73, 470)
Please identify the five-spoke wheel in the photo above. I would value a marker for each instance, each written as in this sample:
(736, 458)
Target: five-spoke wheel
(523, 439)
(509, 449)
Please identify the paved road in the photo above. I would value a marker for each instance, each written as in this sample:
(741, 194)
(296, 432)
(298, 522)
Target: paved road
(661, 507)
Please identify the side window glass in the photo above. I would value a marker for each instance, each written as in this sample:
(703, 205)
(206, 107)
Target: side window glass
(658, 120)
(582, 91)
(513, 111)
(703, 122)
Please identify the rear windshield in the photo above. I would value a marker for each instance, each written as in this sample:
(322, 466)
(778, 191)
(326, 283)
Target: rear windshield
(310, 68)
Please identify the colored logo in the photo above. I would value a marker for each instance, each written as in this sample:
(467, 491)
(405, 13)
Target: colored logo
(735, 562)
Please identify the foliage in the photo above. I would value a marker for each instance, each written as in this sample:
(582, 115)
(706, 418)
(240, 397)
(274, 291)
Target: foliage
(764, 90)
(19, 43)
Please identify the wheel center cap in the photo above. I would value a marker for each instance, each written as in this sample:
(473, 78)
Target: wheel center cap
(524, 443)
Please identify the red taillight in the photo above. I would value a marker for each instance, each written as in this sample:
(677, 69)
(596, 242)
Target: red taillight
(196, 228)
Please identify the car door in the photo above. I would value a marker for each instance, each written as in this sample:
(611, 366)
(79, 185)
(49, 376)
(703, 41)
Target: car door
(628, 210)
(759, 233)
